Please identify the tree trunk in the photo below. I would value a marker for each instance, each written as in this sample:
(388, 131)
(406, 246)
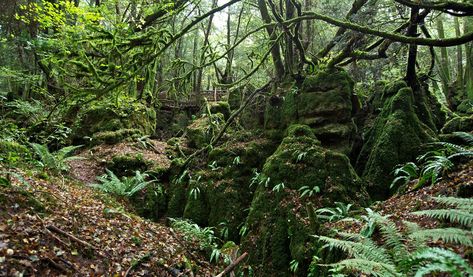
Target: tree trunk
(444, 65)
(459, 80)
(275, 51)
(411, 75)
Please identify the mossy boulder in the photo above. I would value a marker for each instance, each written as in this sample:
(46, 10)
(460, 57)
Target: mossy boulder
(113, 137)
(459, 124)
(396, 137)
(278, 220)
(220, 107)
(103, 117)
(127, 164)
(202, 129)
(324, 102)
(222, 194)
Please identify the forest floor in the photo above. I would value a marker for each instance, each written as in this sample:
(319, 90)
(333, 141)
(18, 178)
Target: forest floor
(59, 227)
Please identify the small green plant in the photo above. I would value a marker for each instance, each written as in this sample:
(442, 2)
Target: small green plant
(213, 166)
(145, 142)
(205, 237)
(294, 266)
(56, 162)
(300, 156)
(259, 178)
(307, 191)
(340, 211)
(194, 193)
(279, 187)
(125, 187)
(236, 160)
(224, 230)
(404, 174)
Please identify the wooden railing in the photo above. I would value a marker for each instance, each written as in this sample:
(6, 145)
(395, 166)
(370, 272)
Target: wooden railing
(211, 96)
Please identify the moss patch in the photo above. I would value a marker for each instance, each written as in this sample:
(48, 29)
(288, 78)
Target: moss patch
(396, 137)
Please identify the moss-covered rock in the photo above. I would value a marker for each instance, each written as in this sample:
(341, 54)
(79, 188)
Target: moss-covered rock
(202, 129)
(324, 102)
(220, 107)
(127, 164)
(113, 137)
(396, 137)
(459, 124)
(151, 202)
(104, 116)
(278, 224)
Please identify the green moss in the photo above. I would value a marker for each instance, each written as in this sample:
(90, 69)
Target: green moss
(396, 137)
(279, 232)
(113, 137)
(220, 107)
(197, 208)
(105, 116)
(177, 201)
(459, 124)
(12, 152)
(126, 165)
(298, 130)
(201, 130)
(327, 80)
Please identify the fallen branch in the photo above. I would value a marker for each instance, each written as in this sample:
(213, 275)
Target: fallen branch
(232, 266)
(55, 229)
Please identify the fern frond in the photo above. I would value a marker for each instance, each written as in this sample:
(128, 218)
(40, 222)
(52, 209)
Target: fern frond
(370, 268)
(466, 137)
(441, 260)
(365, 249)
(448, 235)
(460, 203)
(463, 217)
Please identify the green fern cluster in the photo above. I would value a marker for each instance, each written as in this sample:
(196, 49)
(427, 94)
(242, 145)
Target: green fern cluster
(126, 186)
(55, 162)
(406, 253)
(434, 164)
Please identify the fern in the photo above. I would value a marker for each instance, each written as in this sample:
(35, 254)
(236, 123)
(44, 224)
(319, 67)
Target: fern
(405, 253)
(127, 186)
(367, 267)
(453, 215)
(440, 260)
(57, 161)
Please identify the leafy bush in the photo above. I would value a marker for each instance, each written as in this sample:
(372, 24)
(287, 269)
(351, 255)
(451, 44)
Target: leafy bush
(406, 253)
(340, 211)
(56, 162)
(126, 186)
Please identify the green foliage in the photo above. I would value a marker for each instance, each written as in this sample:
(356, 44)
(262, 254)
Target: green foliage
(279, 187)
(205, 237)
(307, 191)
(340, 211)
(407, 252)
(56, 162)
(126, 186)
(404, 174)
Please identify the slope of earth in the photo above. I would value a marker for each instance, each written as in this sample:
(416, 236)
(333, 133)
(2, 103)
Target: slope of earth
(59, 227)
(399, 208)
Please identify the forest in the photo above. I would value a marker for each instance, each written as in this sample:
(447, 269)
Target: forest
(236, 138)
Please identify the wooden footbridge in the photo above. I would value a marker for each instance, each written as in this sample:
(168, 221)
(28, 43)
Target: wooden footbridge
(192, 101)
